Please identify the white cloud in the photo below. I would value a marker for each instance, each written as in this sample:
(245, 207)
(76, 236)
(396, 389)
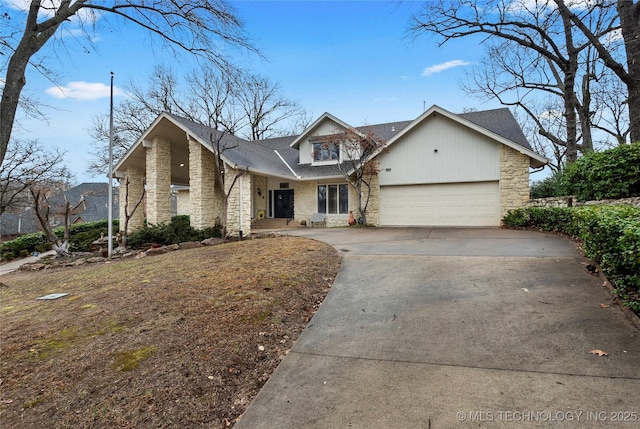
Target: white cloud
(49, 7)
(437, 68)
(83, 91)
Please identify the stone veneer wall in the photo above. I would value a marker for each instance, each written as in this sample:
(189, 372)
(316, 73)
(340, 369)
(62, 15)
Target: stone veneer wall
(243, 184)
(134, 190)
(158, 162)
(183, 202)
(201, 186)
(514, 179)
(305, 203)
(304, 200)
(373, 208)
(570, 200)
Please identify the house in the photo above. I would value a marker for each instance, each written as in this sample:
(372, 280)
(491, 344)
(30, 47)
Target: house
(438, 169)
(23, 220)
(95, 205)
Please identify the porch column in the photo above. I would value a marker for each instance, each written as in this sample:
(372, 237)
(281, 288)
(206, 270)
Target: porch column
(129, 195)
(158, 159)
(201, 186)
(239, 209)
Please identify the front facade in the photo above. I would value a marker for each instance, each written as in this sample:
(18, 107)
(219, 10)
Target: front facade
(439, 169)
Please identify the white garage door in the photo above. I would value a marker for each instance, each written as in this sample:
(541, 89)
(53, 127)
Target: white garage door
(451, 204)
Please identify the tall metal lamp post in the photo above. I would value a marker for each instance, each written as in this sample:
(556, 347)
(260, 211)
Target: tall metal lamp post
(110, 205)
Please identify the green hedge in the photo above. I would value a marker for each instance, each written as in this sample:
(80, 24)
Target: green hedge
(178, 231)
(610, 174)
(80, 238)
(610, 236)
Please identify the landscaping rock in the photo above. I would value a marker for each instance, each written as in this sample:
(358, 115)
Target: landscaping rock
(161, 250)
(213, 241)
(33, 267)
(156, 251)
(190, 245)
(95, 259)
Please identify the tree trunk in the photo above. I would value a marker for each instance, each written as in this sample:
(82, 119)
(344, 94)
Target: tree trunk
(32, 40)
(630, 23)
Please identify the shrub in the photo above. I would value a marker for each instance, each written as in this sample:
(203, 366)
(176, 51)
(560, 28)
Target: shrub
(610, 236)
(548, 187)
(26, 242)
(614, 173)
(80, 238)
(178, 231)
(8, 256)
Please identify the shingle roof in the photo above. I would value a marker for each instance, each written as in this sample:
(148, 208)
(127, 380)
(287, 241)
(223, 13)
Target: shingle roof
(263, 155)
(96, 196)
(499, 121)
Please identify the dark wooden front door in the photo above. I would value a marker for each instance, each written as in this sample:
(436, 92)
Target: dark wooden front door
(283, 203)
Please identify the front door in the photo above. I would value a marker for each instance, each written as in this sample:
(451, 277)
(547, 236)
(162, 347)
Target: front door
(283, 203)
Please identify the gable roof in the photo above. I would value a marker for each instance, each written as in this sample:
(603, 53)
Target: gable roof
(96, 201)
(497, 124)
(324, 117)
(280, 156)
(501, 122)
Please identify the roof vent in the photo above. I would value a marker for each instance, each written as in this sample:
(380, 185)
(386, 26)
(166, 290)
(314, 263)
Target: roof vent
(393, 129)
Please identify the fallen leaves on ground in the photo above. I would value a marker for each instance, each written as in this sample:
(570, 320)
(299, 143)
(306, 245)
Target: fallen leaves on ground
(183, 339)
(599, 352)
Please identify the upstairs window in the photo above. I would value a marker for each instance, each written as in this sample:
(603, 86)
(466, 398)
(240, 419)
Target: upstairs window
(326, 152)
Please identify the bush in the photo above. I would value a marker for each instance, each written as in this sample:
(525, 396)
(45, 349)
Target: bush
(80, 238)
(8, 256)
(548, 187)
(178, 231)
(610, 236)
(26, 242)
(611, 174)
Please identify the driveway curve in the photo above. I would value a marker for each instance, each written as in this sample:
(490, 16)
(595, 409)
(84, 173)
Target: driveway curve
(455, 327)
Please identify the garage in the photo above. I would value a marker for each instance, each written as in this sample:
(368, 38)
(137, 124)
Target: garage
(449, 204)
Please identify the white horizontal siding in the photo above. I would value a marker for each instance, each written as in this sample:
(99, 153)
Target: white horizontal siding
(440, 150)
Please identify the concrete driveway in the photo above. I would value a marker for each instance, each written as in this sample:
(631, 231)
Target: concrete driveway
(441, 328)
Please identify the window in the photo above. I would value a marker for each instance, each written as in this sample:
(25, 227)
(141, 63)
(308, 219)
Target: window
(325, 152)
(333, 199)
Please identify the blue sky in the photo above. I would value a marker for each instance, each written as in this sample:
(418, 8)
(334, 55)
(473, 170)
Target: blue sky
(353, 59)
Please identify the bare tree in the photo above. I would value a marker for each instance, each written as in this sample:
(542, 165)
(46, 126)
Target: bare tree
(265, 108)
(224, 181)
(199, 27)
(541, 40)
(208, 96)
(27, 163)
(356, 165)
(128, 213)
(50, 204)
(628, 22)
(132, 117)
(548, 116)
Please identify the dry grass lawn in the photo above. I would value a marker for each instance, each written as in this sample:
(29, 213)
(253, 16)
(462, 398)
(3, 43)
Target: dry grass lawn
(184, 340)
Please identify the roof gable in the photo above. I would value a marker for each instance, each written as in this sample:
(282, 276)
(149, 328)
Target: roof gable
(322, 121)
(280, 156)
(497, 124)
